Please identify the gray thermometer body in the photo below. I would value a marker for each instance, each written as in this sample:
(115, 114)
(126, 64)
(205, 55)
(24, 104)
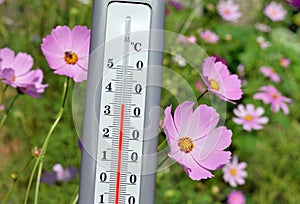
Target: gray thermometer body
(121, 120)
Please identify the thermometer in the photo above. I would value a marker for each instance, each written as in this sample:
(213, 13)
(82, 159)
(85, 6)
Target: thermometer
(121, 119)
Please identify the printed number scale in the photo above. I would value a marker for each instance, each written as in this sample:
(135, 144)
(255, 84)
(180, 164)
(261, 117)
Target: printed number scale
(122, 104)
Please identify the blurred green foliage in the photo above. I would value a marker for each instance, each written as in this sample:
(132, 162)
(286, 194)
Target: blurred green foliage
(271, 154)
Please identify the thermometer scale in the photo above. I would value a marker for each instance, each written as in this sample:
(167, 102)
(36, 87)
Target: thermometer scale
(122, 103)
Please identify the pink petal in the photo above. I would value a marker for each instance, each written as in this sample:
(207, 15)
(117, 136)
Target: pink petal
(214, 160)
(247, 127)
(7, 56)
(222, 70)
(259, 111)
(205, 120)
(54, 61)
(182, 117)
(26, 78)
(263, 120)
(169, 126)
(285, 108)
(67, 70)
(22, 63)
(233, 89)
(80, 38)
(63, 37)
(218, 139)
(238, 121)
(194, 170)
(80, 76)
(52, 48)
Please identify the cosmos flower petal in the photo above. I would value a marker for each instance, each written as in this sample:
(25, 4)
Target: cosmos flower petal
(48, 178)
(52, 47)
(63, 37)
(213, 160)
(80, 36)
(194, 171)
(80, 75)
(207, 119)
(169, 126)
(191, 149)
(233, 87)
(29, 76)
(218, 139)
(285, 108)
(67, 51)
(7, 57)
(238, 121)
(22, 63)
(263, 120)
(181, 120)
(67, 70)
(217, 78)
(252, 117)
(234, 173)
(236, 197)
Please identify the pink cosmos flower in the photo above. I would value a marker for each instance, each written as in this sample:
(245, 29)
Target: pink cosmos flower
(209, 36)
(236, 197)
(15, 71)
(195, 142)
(176, 4)
(234, 173)
(250, 117)
(59, 174)
(2, 107)
(34, 86)
(219, 81)
(229, 11)
(199, 86)
(262, 42)
(182, 39)
(262, 27)
(295, 3)
(67, 51)
(270, 72)
(220, 59)
(275, 11)
(242, 73)
(284, 62)
(270, 95)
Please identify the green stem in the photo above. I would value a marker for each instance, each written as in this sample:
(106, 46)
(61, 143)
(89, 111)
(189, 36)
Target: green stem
(74, 198)
(3, 119)
(162, 162)
(30, 182)
(40, 160)
(8, 193)
(187, 23)
(161, 145)
(202, 95)
(3, 93)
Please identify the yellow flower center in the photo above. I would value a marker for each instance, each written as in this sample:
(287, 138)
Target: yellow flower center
(214, 85)
(248, 118)
(14, 78)
(227, 11)
(71, 57)
(274, 13)
(186, 144)
(272, 71)
(275, 96)
(233, 172)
